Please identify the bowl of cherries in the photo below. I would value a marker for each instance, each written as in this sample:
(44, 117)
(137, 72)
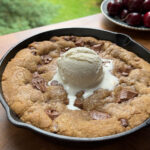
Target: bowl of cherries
(133, 14)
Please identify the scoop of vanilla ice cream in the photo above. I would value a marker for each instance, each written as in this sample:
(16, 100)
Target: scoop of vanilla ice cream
(80, 67)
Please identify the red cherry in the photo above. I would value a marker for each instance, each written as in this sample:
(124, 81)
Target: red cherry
(147, 19)
(146, 6)
(124, 13)
(134, 19)
(125, 3)
(118, 1)
(114, 7)
(135, 5)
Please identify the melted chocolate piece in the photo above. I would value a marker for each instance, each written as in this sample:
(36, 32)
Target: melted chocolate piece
(67, 38)
(65, 49)
(52, 113)
(97, 47)
(70, 38)
(73, 38)
(38, 82)
(125, 95)
(46, 59)
(96, 115)
(124, 122)
(80, 94)
(90, 43)
(79, 43)
(66, 101)
(79, 100)
(125, 71)
(79, 103)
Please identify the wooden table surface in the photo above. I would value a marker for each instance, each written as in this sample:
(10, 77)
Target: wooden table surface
(13, 138)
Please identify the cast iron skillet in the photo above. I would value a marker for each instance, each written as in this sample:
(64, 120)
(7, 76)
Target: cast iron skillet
(118, 38)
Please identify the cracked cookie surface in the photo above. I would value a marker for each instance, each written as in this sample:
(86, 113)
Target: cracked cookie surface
(26, 90)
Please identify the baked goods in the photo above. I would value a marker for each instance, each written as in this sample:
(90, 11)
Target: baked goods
(106, 112)
(81, 69)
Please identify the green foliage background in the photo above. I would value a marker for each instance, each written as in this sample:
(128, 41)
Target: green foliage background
(17, 15)
(71, 9)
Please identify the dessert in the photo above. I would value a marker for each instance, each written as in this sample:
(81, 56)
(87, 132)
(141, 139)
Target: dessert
(78, 86)
(80, 67)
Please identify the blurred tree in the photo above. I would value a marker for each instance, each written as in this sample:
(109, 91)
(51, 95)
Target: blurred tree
(16, 15)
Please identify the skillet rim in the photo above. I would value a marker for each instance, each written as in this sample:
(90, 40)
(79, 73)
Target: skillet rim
(12, 119)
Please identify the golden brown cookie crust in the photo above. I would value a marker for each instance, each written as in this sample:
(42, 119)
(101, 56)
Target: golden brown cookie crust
(26, 91)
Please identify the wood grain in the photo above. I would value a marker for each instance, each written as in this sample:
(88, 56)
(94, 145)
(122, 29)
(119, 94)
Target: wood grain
(13, 138)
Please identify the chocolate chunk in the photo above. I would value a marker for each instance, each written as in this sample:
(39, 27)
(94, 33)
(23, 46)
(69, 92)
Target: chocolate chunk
(125, 73)
(52, 113)
(80, 94)
(46, 59)
(65, 49)
(96, 115)
(79, 43)
(125, 95)
(38, 82)
(55, 83)
(90, 43)
(79, 100)
(31, 47)
(73, 38)
(124, 122)
(66, 101)
(97, 47)
(67, 38)
(70, 38)
(125, 70)
(79, 103)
